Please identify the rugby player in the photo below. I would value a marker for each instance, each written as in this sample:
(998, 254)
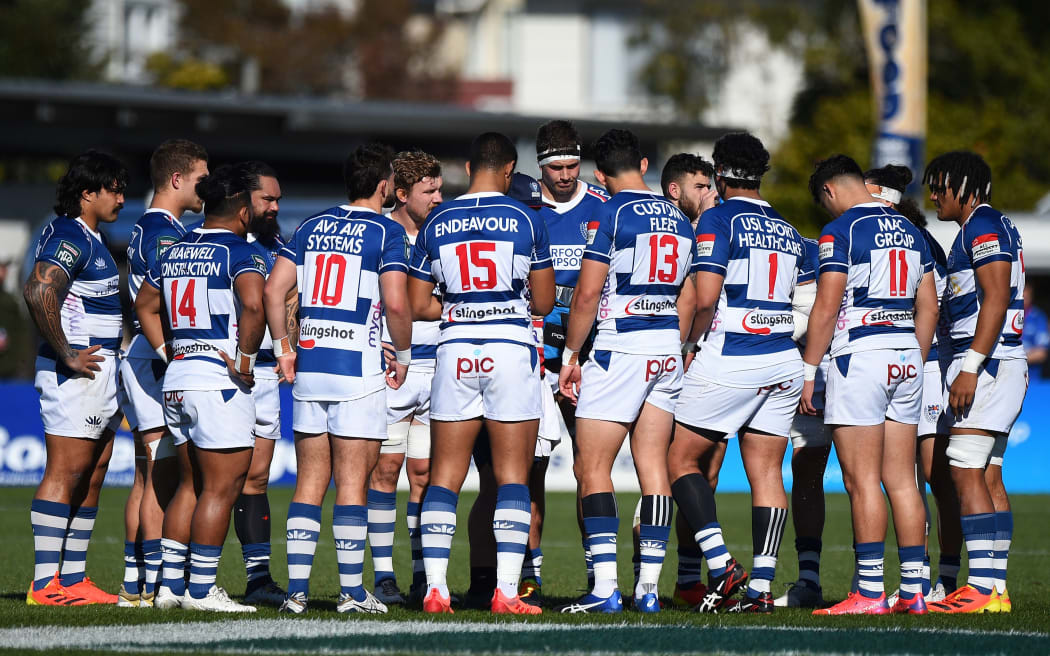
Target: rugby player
(747, 377)
(988, 376)
(686, 182)
(569, 205)
(176, 167)
(887, 185)
(639, 253)
(251, 513)
(417, 191)
(72, 295)
(482, 249)
(207, 290)
(876, 306)
(349, 265)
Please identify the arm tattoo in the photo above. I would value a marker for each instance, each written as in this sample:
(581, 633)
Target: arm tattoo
(44, 292)
(291, 311)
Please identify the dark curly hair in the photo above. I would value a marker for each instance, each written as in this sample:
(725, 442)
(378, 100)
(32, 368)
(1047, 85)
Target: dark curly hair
(681, 164)
(741, 154)
(831, 168)
(90, 171)
(365, 168)
(617, 151)
(964, 172)
(227, 189)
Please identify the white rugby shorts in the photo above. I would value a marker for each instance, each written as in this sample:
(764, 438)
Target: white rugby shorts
(363, 417)
(412, 399)
(78, 406)
(933, 420)
(1001, 388)
(496, 380)
(614, 385)
(714, 407)
(869, 387)
(140, 392)
(267, 395)
(211, 419)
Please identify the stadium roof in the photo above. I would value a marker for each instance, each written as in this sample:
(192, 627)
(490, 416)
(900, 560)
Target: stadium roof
(61, 118)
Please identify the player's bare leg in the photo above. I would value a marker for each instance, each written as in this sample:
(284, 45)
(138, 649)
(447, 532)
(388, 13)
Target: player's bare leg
(161, 479)
(353, 460)
(175, 542)
(313, 457)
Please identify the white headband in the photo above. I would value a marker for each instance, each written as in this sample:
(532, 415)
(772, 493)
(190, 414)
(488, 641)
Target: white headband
(557, 158)
(888, 194)
(734, 174)
(571, 153)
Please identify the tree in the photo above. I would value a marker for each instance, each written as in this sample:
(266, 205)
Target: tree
(46, 39)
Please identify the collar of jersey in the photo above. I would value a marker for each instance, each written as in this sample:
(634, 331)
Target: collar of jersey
(479, 194)
(168, 215)
(875, 204)
(212, 231)
(357, 208)
(975, 212)
(756, 201)
(562, 208)
(639, 191)
(94, 233)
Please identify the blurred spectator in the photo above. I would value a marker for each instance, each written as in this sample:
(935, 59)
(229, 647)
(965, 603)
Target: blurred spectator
(1036, 335)
(15, 349)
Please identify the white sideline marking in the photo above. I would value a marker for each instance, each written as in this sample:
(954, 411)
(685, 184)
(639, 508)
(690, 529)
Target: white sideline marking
(194, 635)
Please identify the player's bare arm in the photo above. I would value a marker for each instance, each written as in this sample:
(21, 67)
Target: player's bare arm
(830, 288)
(708, 291)
(280, 285)
(425, 306)
(582, 311)
(392, 288)
(44, 291)
(926, 313)
(251, 325)
(148, 308)
(686, 306)
(993, 285)
(541, 287)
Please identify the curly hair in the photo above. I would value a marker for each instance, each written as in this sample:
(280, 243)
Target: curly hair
(90, 171)
(227, 189)
(617, 151)
(741, 159)
(411, 166)
(964, 172)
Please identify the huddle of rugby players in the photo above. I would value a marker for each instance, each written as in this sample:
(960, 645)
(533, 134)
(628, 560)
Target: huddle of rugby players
(477, 328)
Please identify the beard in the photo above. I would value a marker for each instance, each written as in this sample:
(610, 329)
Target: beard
(265, 227)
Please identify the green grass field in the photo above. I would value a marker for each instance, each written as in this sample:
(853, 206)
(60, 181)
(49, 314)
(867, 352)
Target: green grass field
(322, 630)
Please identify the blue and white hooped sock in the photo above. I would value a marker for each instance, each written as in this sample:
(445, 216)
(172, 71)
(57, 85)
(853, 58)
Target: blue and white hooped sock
(174, 556)
(510, 525)
(415, 544)
(204, 566)
(1004, 534)
(654, 530)
(151, 557)
(911, 570)
(134, 567)
(382, 519)
(256, 564)
(809, 549)
(50, 521)
(530, 569)
(711, 542)
(870, 563)
(979, 533)
(948, 572)
(350, 528)
(926, 585)
(302, 531)
(74, 552)
(601, 522)
(690, 565)
(437, 523)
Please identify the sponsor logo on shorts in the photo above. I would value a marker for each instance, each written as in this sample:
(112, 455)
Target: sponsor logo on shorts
(900, 372)
(757, 322)
(94, 421)
(885, 317)
(67, 253)
(173, 397)
(657, 368)
(644, 305)
(475, 367)
(933, 411)
(778, 387)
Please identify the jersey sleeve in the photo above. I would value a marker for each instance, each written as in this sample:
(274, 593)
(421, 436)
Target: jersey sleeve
(986, 241)
(152, 277)
(926, 256)
(246, 260)
(395, 250)
(807, 266)
(600, 237)
(420, 264)
(69, 253)
(287, 250)
(541, 248)
(712, 244)
(156, 242)
(833, 249)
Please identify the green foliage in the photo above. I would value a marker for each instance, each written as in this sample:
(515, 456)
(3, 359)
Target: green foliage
(187, 73)
(45, 39)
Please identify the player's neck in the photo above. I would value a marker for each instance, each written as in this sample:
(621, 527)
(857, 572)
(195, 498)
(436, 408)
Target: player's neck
(225, 223)
(966, 211)
(628, 181)
(168, 203)
(734, 192)
(563, 198)
(485, 181)
(404, 219)
(90, 220)
(374, 203)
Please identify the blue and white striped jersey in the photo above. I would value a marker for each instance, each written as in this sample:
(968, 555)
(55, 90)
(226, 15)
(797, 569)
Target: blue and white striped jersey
(762, 257)
(940, 278)
(152, 234)
(987, 236)
(339, 255)
(649, 246)
(196, 277)
(90, 313)
(425, 336)
(265, 361)
(567, 228)
(479, 249)
(884, 257)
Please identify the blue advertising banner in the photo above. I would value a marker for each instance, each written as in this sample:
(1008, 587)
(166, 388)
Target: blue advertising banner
(22, 453)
